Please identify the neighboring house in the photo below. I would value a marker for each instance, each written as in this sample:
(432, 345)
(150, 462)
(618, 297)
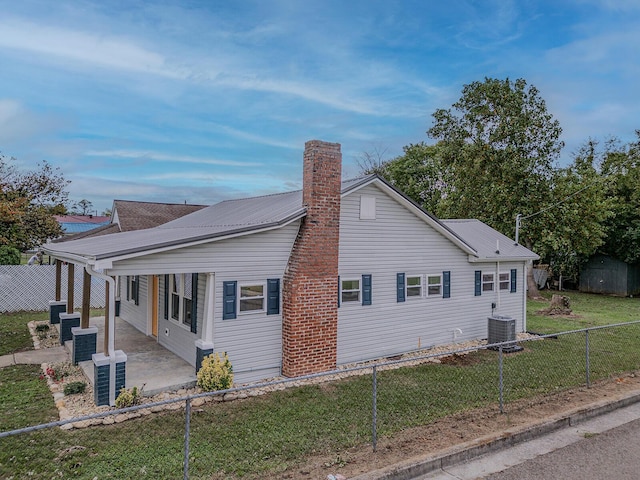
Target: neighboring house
(72, 224)
(129, 215)
(304, 281)
(604, 274)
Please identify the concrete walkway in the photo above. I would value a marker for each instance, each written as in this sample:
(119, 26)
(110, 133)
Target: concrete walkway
(36, 357)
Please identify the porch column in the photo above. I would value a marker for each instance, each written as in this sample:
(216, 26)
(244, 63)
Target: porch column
(58, 280)
(204, 345)
(109, 367)
(70, 286)
(86, 299)
(107, 311)
(56, 307)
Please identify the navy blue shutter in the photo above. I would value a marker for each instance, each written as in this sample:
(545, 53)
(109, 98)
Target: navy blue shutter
(339, 290)
(166, 297)
(194, 303)
(514, 279)
(400, 287)
(478, 283)
(366, 289)
(446, 284)
(128, 287)
(273, 296)
(136, 292)
(229, 300)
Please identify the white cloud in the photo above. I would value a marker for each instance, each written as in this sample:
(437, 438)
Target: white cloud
(17, 123)
(164, 157)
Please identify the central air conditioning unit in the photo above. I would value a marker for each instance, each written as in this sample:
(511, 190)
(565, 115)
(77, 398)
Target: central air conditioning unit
(503, 329)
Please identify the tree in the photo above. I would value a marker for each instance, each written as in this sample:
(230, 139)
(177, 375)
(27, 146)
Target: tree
(26, 202)
(621, 167)
(573, 225)
(83, 207)
(420, 173)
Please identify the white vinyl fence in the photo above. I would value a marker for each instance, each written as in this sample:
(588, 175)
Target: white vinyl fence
(32, 287)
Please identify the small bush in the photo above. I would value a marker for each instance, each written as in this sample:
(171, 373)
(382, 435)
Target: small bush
(9, 255)
(72, 388)
(128, 398)
(216, 373)
(42, 327)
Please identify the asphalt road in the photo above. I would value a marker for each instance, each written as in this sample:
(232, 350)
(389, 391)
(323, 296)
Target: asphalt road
(604, 447)
(612, 454)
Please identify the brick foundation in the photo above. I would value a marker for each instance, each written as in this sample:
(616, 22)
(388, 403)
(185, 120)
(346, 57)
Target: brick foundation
(310, 284)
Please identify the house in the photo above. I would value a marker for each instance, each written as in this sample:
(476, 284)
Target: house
(608, 275)
(129, 215)
(72, 224)
(301, 282)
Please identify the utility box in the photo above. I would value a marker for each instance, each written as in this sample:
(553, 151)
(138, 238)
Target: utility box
(503, 329)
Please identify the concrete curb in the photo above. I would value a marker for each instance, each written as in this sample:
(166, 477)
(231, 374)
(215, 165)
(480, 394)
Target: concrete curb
(466, 451)
(36, 357)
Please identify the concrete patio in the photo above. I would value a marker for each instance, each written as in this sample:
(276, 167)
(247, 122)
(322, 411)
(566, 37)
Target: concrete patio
(150, 367)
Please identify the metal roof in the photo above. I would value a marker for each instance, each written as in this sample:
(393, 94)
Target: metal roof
(231, 217)
(249, 215)
(487, 242)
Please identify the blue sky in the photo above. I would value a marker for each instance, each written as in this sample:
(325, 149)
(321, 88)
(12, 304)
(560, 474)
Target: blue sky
(201, 101)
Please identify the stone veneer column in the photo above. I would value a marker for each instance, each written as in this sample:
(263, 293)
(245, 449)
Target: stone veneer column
(310, 283)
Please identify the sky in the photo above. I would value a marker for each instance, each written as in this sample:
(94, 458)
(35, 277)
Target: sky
(201, 101)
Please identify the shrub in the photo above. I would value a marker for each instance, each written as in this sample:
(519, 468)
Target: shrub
(74, 387)
(42, 327)
(216, 373)
(128, 398)
(9, 255)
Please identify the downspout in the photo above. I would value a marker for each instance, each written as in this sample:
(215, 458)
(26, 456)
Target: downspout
(112, 328)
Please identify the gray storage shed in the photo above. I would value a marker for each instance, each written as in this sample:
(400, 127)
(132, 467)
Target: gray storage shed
(604, 274)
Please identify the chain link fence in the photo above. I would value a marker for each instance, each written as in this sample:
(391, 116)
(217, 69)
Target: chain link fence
(272, 426)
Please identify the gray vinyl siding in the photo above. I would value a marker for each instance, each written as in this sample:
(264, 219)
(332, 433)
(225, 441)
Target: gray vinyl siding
(134, 314)
(399, 242)
(252, 341)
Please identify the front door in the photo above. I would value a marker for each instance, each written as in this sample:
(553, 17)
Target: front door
(154, 305)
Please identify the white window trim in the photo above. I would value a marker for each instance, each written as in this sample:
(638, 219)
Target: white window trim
(407, 286)
(181, 298)
(240, 297)
(492, 282)
(440, 285)
(358, 301)
(507, 281)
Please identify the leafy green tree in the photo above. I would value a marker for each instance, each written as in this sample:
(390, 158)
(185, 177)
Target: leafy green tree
(621, 167)
(83, 207)
(26, 202)
(9, 255)
(573, 226)
(496, 158)
(420, 174)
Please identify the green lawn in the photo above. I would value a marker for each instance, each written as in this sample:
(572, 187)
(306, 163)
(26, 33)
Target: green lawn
(260, 437)
(14, 334)
(589, 310)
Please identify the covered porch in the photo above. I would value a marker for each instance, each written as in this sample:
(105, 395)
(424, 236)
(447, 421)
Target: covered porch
(150, 367)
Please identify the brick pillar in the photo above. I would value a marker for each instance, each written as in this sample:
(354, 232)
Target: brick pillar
(310, 283)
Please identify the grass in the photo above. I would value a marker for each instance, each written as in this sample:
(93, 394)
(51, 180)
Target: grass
(261, 437)
(14, 334)
(590, 310)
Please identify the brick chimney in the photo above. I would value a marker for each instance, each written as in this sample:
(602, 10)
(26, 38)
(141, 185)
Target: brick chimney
(310, 284)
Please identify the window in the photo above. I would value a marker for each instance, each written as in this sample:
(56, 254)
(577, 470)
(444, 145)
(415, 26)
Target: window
(434, 285)
(181, 301)
(505, 281)
(487, 282)
(350, 291)
(414, 286)
(251, 298)
(133, 288)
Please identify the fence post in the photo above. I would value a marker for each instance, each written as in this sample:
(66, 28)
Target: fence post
(500, 381)
(374, 435)
(187, 428)
(587, 357)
